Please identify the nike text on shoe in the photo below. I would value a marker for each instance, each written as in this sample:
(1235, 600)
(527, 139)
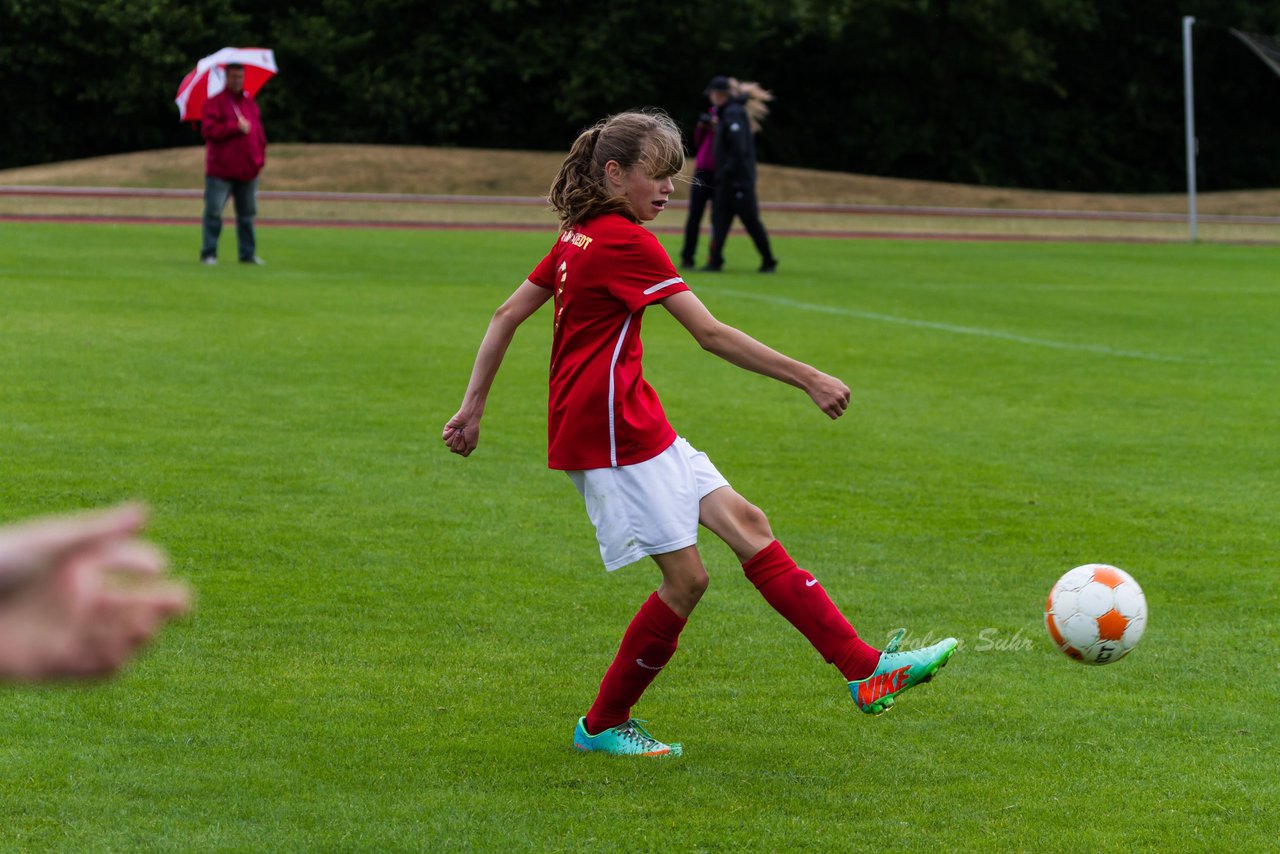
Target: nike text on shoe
(628, 739)
(898, 671)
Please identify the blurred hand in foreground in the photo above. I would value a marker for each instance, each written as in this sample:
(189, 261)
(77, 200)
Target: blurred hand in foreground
(80, 594)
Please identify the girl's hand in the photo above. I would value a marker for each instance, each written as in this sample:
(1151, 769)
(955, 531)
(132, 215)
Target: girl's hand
(462, 433)
(831, 395)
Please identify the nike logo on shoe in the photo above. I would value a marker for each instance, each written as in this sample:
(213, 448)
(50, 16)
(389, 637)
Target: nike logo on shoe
(640, 661)
(878, 686)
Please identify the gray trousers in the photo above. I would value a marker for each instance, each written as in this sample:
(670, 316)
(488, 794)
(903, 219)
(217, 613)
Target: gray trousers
(245, 194)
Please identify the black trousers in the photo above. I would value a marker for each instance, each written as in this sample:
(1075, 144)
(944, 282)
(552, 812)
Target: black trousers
(704, 185)
(736, 201)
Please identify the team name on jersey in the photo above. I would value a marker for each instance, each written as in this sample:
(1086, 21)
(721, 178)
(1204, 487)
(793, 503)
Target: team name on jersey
(579, 240)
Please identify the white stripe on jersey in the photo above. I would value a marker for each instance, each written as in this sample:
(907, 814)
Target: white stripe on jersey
(676, 281)
(613, 364)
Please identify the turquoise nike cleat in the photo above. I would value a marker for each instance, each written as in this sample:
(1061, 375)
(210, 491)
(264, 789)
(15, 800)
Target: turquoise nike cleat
(628, 739)
(898, 671)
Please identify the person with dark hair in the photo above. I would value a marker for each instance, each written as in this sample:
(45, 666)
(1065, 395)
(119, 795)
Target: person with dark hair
(741, 107)
(235, 152)
(704, 178)
(647, 489)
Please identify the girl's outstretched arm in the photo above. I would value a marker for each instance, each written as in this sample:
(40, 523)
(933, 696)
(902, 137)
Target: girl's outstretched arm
(462, 432)
(830, 394)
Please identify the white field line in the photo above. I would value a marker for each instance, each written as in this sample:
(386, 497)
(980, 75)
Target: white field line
(949, 327)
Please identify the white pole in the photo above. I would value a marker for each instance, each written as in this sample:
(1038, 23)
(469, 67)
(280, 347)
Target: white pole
(1187, 21)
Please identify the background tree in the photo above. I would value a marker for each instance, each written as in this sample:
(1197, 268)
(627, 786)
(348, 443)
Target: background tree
(1056, 94)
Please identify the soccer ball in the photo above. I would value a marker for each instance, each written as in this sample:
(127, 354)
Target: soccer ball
(1096, 613)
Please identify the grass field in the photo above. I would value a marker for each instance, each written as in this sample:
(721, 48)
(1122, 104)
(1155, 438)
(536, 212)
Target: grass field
(392, 644)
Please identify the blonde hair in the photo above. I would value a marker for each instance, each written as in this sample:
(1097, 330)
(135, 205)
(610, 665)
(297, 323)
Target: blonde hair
(648, 139)
(758, 99)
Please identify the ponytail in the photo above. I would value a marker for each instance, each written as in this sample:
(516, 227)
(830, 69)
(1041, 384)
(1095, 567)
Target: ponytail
(757, 100)
(649, 139)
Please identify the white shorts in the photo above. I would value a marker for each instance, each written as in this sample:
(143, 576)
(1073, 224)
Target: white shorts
(649, 508)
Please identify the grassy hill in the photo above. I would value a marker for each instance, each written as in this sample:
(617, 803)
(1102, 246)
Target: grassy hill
(408, 169)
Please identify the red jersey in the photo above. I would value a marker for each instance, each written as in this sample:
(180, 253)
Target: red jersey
(229, 153)
(601, 411)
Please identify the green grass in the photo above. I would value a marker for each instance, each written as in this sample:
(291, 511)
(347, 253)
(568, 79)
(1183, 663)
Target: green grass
(392, 644)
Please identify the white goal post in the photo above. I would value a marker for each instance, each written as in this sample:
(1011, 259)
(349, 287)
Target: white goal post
(1265, 47)
(1189, 102)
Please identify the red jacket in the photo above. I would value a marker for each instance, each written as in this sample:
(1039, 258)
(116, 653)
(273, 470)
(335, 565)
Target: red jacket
(230, 154)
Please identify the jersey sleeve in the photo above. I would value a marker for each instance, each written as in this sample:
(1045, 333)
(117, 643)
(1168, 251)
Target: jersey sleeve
(645, 273)
(544, 275)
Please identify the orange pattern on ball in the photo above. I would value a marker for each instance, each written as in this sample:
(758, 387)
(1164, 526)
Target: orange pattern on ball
(1111, 625)
(1053, 630)
(1108, 576)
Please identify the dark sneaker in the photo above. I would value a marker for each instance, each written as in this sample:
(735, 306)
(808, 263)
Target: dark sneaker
(769, 266)
(254, 260)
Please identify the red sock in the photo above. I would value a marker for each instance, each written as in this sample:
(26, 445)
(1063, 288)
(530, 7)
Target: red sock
(647, 646)
(797, 595)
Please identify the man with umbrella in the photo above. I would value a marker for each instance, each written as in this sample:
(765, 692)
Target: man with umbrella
(235, 151)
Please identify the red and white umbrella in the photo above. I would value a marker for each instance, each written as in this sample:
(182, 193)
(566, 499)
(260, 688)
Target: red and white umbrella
(210, 77)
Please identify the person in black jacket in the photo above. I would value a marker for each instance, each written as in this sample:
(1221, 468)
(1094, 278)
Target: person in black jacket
(702, 187)
(739, 107)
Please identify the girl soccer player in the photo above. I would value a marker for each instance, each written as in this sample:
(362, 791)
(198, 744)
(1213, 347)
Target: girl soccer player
(647, 489)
